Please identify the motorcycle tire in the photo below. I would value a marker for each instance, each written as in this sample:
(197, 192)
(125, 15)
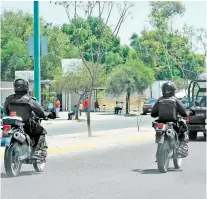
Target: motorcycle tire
(12, 171)
(163, 158)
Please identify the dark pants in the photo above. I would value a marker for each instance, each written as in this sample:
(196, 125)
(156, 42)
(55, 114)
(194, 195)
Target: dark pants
(70, 115)
(37, 132)
(182, 129)
(117, 109)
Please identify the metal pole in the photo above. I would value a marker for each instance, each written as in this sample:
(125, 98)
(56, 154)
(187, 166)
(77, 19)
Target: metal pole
(37, 84)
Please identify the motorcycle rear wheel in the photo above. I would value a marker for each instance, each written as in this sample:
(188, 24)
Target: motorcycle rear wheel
(11, 157)
(163, 158)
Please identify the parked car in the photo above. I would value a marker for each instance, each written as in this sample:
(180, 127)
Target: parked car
(147, 107)
(186, 102)
(197, 107)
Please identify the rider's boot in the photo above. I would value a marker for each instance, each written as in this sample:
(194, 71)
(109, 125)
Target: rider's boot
(41, 149)
(183, 148)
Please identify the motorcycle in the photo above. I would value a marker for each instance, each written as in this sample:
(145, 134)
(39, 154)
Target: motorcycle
(167, 146)
(19, 146)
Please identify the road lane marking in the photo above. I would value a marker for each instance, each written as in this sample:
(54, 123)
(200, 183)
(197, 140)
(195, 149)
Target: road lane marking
(86, 147)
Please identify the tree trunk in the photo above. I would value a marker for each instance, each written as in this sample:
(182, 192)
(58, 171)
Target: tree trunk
(89, 114)
(127, 102)
(77, 111)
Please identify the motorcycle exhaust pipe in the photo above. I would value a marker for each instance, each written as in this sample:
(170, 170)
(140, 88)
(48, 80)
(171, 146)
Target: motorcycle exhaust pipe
(170, 134)
(20, 137)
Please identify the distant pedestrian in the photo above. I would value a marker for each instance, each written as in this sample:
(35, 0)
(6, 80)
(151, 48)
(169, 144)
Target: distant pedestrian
(50, 106)
(96, 105)
(81, 108)
(118, 107)
(57, 108)
(86, 105)
(72, 113)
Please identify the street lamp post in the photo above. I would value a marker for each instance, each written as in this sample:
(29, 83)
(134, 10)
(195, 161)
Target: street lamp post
(37, 85)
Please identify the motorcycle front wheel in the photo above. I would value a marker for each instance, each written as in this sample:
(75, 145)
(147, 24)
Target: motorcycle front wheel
(163, 158)
(39, 167)
(12, 164)
(177, 163)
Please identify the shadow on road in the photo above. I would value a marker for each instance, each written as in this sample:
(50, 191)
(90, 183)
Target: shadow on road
(154, 171)
(199, 139)
(110, 114)
(59, 119)
(23, 173)
(120, 114)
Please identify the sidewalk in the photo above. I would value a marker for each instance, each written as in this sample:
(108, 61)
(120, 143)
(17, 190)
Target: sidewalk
(95, 116)
(80, 141)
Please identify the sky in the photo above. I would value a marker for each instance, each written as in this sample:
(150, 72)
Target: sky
(195, 15)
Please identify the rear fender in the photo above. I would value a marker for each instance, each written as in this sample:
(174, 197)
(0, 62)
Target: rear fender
(13, 141)
(165, 146)
(22, 149)
(160, 137)
(7, 141)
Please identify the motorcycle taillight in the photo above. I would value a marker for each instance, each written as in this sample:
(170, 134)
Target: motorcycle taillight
(7, 128)
(160, 125)
(13, 114)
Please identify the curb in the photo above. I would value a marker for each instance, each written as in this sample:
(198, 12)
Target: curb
(64, 122)
(87, 147)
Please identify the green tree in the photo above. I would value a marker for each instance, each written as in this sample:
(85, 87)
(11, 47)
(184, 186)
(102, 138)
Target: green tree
(162, 12)
(169, 55)
(15, 29)
(97, 34)
(131, 77)
(14, 57)
(78, 82)
(86, 33)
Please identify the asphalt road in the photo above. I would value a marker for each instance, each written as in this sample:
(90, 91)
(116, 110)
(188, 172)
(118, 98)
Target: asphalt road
(124, 172)
(107, 124)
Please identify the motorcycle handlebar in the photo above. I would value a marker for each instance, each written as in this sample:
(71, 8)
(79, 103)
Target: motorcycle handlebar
(50, 115)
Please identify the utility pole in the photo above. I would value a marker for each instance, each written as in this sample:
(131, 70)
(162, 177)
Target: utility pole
(37, 84)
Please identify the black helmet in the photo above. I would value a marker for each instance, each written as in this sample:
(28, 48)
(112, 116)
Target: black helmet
(168, 89)
(21, 85)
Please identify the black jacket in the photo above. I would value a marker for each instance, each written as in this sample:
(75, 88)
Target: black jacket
(178, 106)
(32, 103)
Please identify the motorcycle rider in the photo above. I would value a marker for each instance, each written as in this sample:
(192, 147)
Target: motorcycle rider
(167, 109)
(21, 98)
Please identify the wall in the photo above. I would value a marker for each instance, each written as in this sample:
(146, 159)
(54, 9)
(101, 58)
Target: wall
(71, 99)
(154, 91)
(136, 102)
(6, 90)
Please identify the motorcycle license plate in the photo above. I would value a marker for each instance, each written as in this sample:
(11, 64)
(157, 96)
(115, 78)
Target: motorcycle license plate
(5, 141)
